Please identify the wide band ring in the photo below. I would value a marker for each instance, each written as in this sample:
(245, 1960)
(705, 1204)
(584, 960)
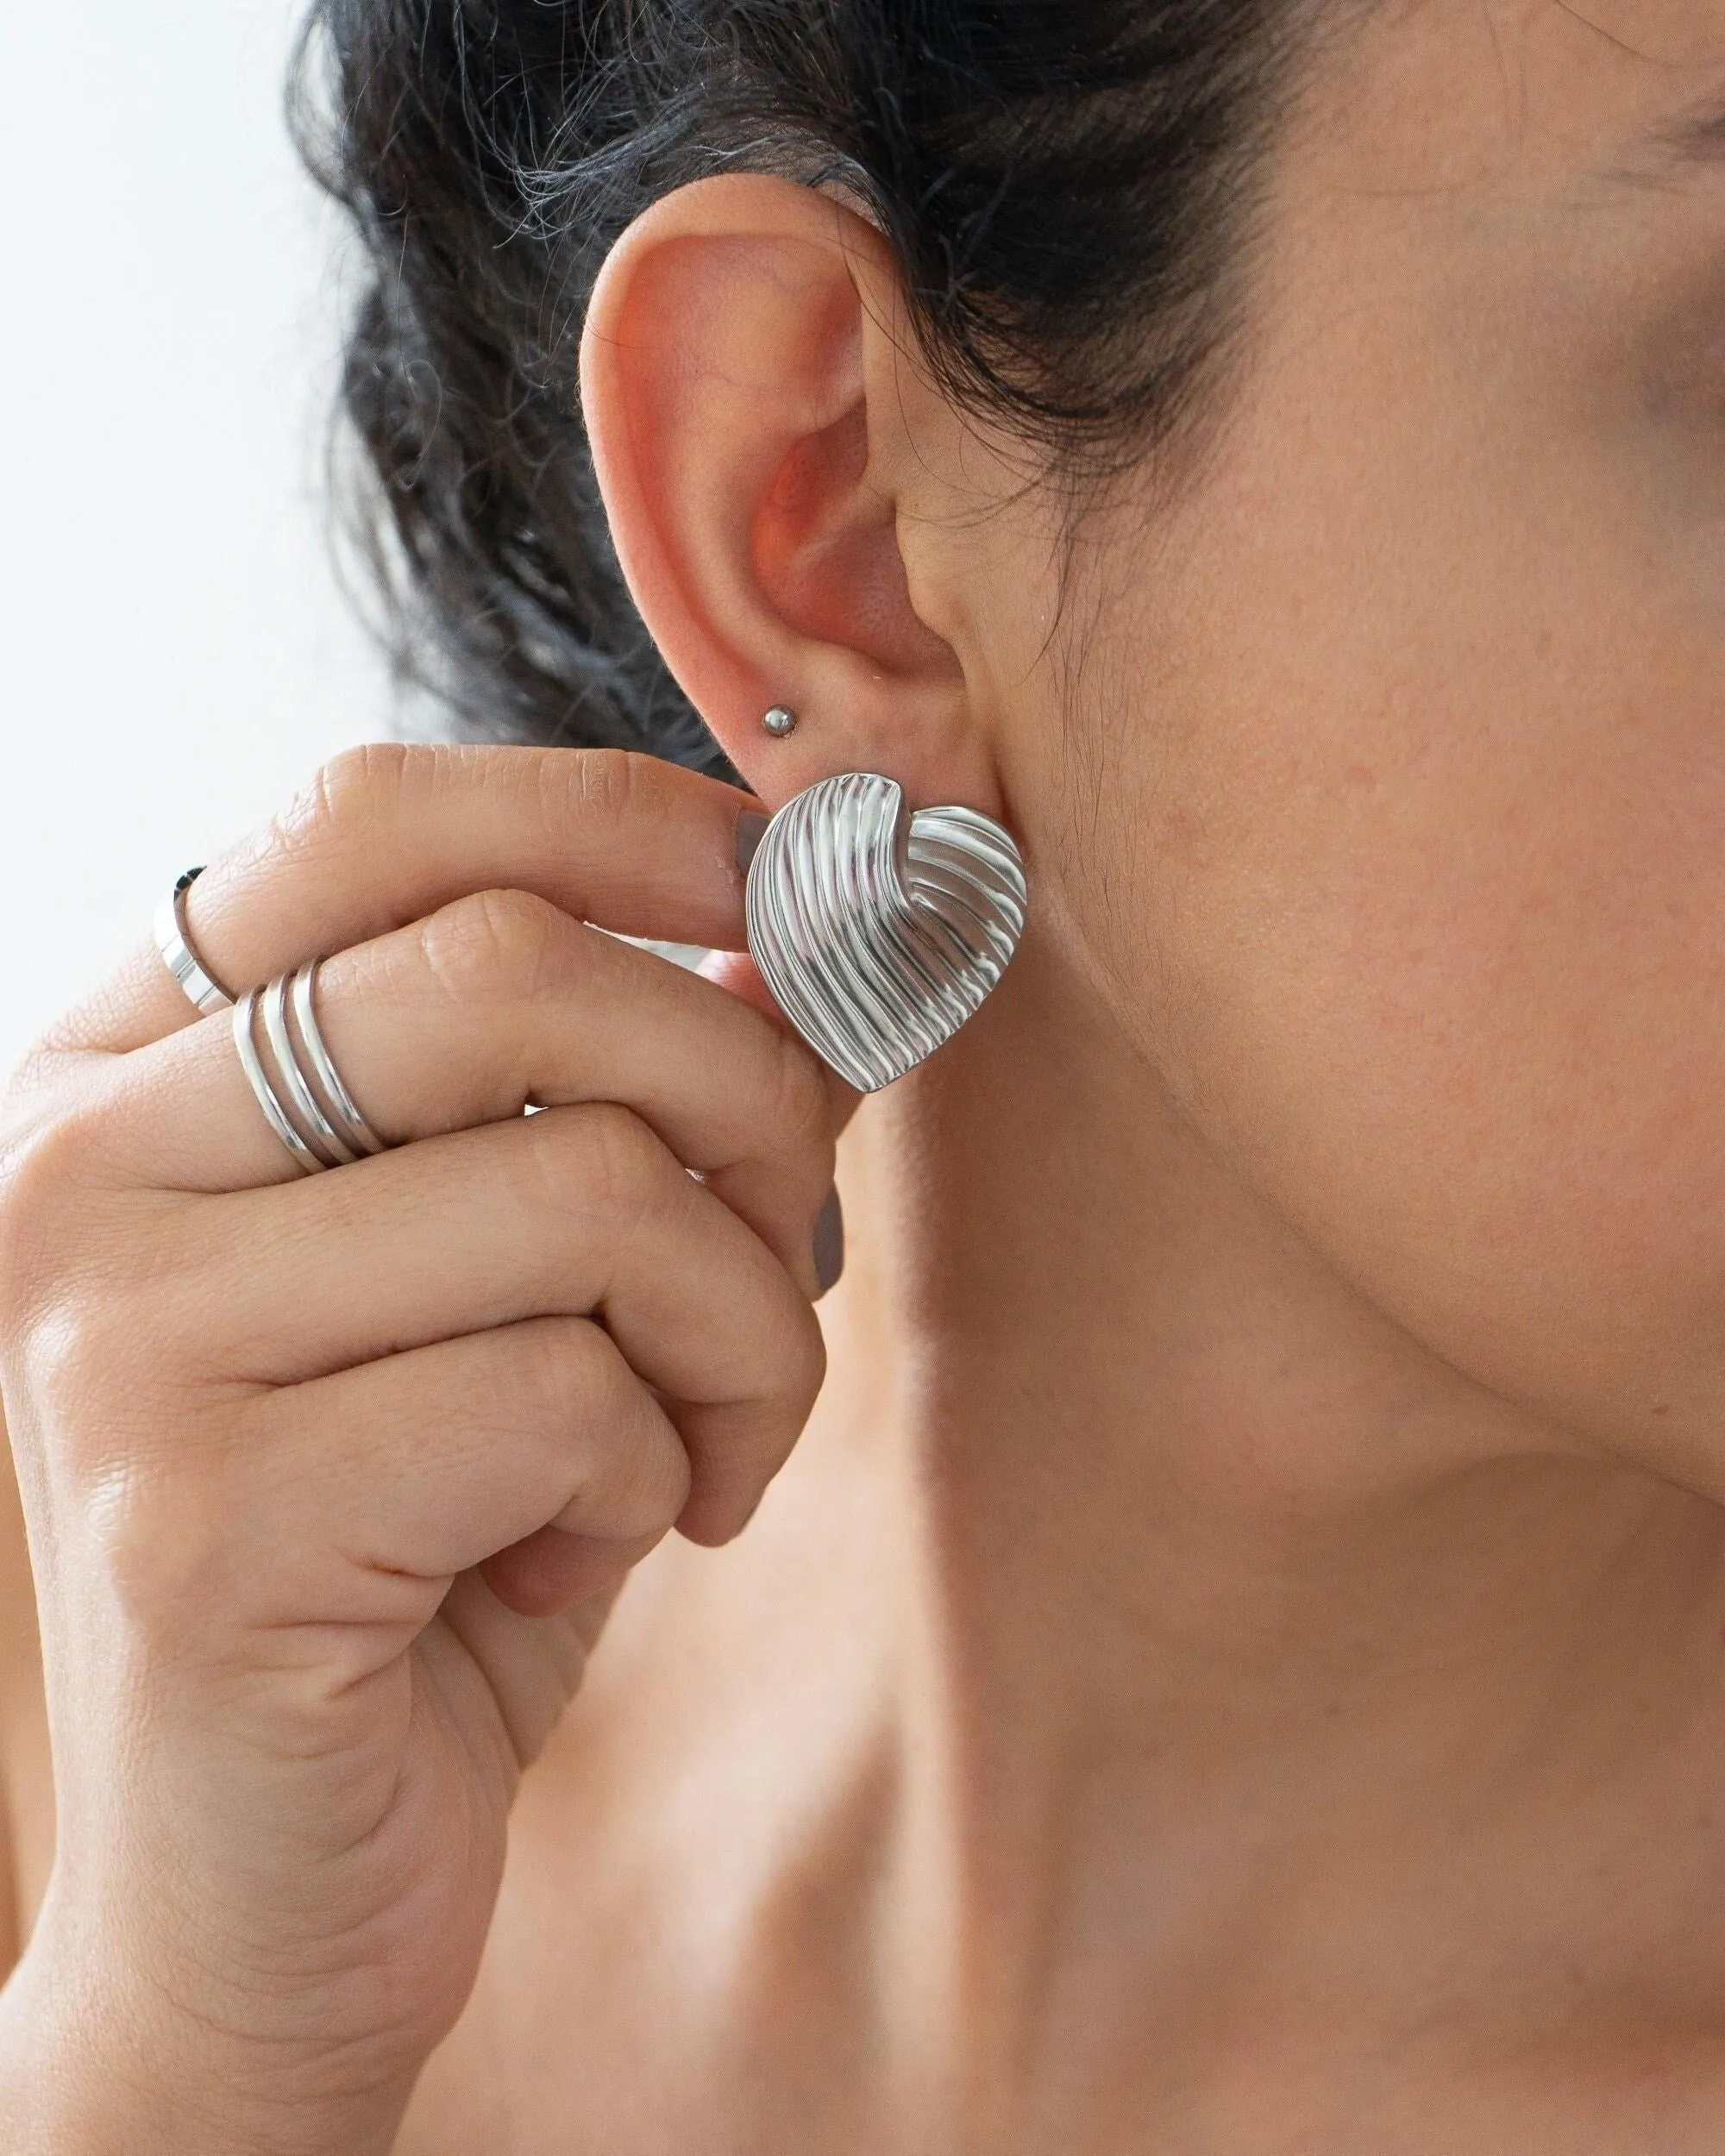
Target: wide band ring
(293, 1075)
(173, 940)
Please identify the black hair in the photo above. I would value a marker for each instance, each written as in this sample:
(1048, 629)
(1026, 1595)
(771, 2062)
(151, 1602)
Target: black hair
(1065, 184)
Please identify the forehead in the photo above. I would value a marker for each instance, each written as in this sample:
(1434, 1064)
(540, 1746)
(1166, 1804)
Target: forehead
(1437, 93)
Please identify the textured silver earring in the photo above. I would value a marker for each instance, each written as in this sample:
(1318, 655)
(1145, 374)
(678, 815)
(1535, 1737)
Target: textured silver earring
(879, 932)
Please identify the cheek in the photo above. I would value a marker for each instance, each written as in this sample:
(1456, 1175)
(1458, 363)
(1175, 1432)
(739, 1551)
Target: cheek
(1426, 824)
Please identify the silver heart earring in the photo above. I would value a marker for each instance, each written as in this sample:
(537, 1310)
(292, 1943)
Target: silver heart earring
(879, 933)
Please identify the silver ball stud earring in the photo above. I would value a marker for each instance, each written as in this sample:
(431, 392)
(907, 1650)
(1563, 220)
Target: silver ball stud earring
(880, 932)
(780, 721)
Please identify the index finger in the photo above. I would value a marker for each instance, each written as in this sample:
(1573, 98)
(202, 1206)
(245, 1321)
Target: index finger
(387, 834)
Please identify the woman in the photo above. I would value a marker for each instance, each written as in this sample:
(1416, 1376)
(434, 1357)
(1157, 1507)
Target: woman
(1236, 1661)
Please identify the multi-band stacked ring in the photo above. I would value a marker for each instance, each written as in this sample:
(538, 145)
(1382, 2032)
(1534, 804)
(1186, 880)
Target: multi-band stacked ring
(290, 1070)
(318, 1121)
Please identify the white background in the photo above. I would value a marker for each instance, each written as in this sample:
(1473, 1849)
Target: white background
(177, 655)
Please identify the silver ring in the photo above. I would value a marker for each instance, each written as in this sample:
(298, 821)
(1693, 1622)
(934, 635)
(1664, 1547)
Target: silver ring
(173, 941)
(318, 1121)
(358, 1133)
(245, 1039)
(325, 1137)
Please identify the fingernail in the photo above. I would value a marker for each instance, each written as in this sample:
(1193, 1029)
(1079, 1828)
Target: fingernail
(829, 1241)
(750, 826)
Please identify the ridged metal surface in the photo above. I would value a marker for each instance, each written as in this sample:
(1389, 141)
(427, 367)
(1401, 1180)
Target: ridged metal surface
(879, 933)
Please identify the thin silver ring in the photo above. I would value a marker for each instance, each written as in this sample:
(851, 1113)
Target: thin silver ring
(306, 1157)
(173, 941)
(325, 1137)
(309, 1110)
(358, 1132)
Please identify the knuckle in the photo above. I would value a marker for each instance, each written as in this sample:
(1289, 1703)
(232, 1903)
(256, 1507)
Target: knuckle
(786, 1364)
(630, 1172)
(791, 1347)
(357, 789)
(651, 1479)
(90, 1406)
(559, 1376)
(574, 1381)
(805, 1358)
(800, 1108)
(49, 1168)
(605, 787)
(93, 1335)
(600, 1159)
(494, 945)
(163, 1543)
(33, 1086)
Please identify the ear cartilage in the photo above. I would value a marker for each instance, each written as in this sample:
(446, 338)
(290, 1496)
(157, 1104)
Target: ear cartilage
(879, 933)
(780, 721)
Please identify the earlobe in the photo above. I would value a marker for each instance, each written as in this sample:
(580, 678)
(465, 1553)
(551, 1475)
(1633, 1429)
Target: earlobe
(740, 385)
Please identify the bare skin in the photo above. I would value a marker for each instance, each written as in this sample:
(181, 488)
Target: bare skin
(1236, 1663)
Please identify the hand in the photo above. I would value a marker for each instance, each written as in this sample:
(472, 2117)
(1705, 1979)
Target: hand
(329, 1480)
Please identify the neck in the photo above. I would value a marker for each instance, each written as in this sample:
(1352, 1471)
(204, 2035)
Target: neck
(1220, 1577)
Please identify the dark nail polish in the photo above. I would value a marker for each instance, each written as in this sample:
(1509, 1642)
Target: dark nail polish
(750, 825)
(829, 1241)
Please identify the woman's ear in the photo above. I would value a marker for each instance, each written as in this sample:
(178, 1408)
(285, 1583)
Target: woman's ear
(759, 424)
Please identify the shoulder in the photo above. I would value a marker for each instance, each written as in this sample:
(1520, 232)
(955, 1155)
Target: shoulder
(26, 1775)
